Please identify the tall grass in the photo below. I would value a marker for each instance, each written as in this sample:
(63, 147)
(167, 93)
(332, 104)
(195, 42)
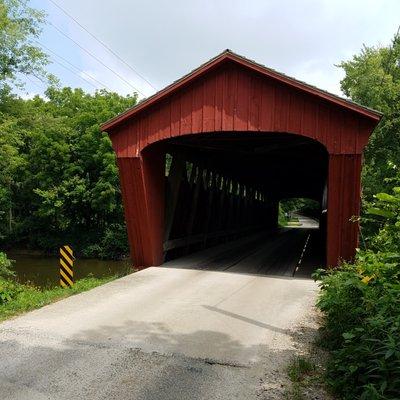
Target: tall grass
(17, 298)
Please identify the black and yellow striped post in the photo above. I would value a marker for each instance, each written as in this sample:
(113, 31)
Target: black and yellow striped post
(66, 266)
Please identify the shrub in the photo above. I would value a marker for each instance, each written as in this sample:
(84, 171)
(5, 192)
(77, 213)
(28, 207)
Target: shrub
(112, 245)
(5, 266)
(9, 290)
(361, 303)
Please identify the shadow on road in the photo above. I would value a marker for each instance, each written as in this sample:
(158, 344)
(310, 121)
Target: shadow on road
(152, 367)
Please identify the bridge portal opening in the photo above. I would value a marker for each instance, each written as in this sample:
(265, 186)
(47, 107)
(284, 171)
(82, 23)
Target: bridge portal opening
(227, 192)
(242, 137)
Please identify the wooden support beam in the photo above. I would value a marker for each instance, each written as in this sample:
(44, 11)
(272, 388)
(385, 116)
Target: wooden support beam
(209, 206)
(232, 201)
(221, 209)
(195, 198)
(178, 167)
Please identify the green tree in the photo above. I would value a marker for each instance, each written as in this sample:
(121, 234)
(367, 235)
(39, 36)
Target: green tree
(10, 160)
(373, 79)
(65, 183)
(19, 26)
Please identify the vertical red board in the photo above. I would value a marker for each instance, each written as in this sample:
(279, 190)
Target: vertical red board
(254, 104)
(197, 108)
(241, 108)
(295, 112)
(349, 133)
(267, 112)
(219, 100)
(281, 114)
(310, 115)
(229, 93)
(164, 130)
(175, 110)
(132, 139)
(186, 112)
(209, 104)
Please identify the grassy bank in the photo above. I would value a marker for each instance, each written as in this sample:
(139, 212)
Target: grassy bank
(17, 298)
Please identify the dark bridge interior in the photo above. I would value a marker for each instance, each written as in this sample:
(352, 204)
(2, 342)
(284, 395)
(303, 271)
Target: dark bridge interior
(223, 192)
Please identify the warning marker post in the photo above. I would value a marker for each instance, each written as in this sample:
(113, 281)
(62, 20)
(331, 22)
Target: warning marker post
(66, 266)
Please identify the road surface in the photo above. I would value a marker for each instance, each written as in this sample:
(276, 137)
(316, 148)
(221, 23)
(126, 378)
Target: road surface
(210, 326)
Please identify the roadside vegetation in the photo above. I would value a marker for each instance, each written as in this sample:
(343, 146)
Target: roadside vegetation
(361, 304)
(17, 298)
(306, 380)
(361, 301)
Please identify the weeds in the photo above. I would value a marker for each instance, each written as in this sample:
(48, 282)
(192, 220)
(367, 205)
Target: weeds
(303, 376)
(300, 368)
(16, 298)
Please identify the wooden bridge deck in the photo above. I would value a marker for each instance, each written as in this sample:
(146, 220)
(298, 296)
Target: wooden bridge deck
(286, 252)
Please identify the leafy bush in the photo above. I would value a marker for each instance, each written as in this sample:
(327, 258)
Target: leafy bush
(361, 303)
(9, 290)
(384, 212)
(112, 245)
(5, 266)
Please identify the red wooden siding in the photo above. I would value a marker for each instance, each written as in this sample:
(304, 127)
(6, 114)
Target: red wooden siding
(233, 99)
(343, 204)
(142, 182)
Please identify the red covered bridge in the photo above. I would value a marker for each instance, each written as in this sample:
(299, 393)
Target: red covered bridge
(239, 138)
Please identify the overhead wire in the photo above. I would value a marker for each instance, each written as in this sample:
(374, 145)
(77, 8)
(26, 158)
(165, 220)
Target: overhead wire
(35, 83)
(103, 44)
(74, 72)
(97, 59)
(72, 65)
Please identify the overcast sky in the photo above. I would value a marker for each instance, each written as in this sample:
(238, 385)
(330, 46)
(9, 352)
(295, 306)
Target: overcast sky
(163, 40)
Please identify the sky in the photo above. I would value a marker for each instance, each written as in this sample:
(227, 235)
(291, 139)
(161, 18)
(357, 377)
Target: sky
(162, 40)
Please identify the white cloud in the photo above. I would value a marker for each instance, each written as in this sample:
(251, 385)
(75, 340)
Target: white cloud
(165, 39)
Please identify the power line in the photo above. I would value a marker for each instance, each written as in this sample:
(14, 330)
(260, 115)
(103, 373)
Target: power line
(103, 44)
(40, 79)
(97, 59)
(35, 83)
(72, 65)
(71, 70)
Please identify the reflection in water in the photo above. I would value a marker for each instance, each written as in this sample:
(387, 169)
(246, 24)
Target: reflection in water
(44, 271)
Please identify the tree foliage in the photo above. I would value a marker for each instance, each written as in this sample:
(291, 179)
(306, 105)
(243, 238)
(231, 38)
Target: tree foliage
(19, 26)
(60, 182)
(373, 79)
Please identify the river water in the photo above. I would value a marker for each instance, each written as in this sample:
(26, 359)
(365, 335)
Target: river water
(44, 271)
